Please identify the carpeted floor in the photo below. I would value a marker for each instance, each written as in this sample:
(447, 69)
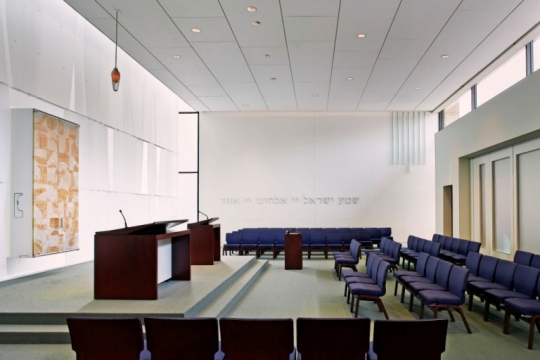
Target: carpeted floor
(315, 292)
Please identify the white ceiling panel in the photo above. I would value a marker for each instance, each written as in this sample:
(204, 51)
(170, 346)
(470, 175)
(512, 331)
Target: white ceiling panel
(310, 7)
(212, 29)
(313, 47)
(277, 55)
(191, 8)
(280, 103)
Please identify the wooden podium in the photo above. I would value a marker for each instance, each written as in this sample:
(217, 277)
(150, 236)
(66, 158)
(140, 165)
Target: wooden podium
(205, 242)
(126, 260)
(293, 251)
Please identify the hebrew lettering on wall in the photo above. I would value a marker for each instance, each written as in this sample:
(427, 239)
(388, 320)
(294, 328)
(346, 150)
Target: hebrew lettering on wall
(56, 185)
(303, 200)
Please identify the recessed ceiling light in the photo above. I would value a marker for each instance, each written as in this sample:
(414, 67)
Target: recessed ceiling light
(176, 57)
(418, 88)
(445, 56)
(266, 56)
(195, 30)
(255, 23)
(350, 78)
(361, 35)
(251, 8)
(207, 91)
(273, 78)
(314, 95)
(245, 105)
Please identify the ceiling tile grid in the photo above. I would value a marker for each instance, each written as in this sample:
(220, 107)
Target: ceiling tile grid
(313, 55)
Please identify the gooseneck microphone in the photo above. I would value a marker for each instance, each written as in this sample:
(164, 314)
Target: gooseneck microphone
(204, 215)
(125, 223)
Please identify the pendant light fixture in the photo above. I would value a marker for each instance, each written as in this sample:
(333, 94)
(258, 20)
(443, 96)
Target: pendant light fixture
(115, 74)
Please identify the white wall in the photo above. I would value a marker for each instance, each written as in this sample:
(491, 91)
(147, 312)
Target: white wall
(313, 170)
(509, 118)
(53, 60)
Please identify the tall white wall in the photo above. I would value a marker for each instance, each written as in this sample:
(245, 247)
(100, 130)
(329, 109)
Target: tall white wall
(313, 170)
(53, 60)
(509, 118)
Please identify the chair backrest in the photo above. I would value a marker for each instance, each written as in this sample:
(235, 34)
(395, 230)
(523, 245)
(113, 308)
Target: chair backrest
(435, 249)
(411, 242)
(182, 338)
(523, 257)
(504, 273)
(473, 262)
(474, 247)
(458, 281)
(386, 232)
(382, 272)
(362, 235)
(317, 237)
(394, 251)
(264, 339)
(426, 246)
(447, 243)
(267, 237)
(106, 338)
(535, 262)
(436, 238)
(348, 236)
(234, 238)
(354, 250)
(372, 266)
(488, 264)
(525, 279)
(395, 339)
(463, 247)
(442, 275)
(334, 238)
(455, 245)
(250, 237)
(421, 263)
(318, 339)
(431, 267)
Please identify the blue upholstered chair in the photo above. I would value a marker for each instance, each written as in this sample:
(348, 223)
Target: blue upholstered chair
(106, 338)
(438, 282)
(486, 269)
(451, 299)
(473, 264)
(349, 260)
(523, 257)
(318, 339)
(317, 241)
(267, 242)
(395, 339)
(233, 243)
(371, 292)
(250, 241)
(369, 277)
(525, 282)
(503, 280)
(261, 339)
(535, 262)
(182, 338)
(420, 270)
(525, 309)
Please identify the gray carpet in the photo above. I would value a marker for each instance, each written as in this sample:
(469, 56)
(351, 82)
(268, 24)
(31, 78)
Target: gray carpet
(315, 292)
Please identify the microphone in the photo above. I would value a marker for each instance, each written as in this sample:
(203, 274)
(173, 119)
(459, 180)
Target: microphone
(204, 215)
(125, 223)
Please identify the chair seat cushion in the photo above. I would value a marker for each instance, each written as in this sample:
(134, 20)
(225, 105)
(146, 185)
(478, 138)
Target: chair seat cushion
(474, 278)
(523, 306)
(355, 280)
(459, 257)
(345, 261)
(365, 289)
(399, 273)
(482, 285)
(420, 286)
(411, 279)
(434, 297)
(499, 295)
(346, 273)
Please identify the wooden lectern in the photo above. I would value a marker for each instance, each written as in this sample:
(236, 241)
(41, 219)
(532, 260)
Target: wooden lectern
(293, 251)
(205, 242)
(126, 260)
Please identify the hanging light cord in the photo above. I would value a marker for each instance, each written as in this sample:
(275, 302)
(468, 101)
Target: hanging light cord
(116, 39)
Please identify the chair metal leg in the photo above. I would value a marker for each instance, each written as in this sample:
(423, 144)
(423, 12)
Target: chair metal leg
(458, 309)
(382, 308)
(395, 288)
(506, 321)
(470, 301)
(411, 299)
(345, 292)
(357, 304)
(486, 310)
(422, 305)
(451, 315)
(402, 293)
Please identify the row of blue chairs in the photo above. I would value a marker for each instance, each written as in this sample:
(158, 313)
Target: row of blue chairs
(454, 249)
(313, 239)
(506, 284)
(388, 251)
(415, 246)
(107, 338)
(438, 284)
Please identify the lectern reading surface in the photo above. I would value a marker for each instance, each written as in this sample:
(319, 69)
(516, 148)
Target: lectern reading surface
(126, 260)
